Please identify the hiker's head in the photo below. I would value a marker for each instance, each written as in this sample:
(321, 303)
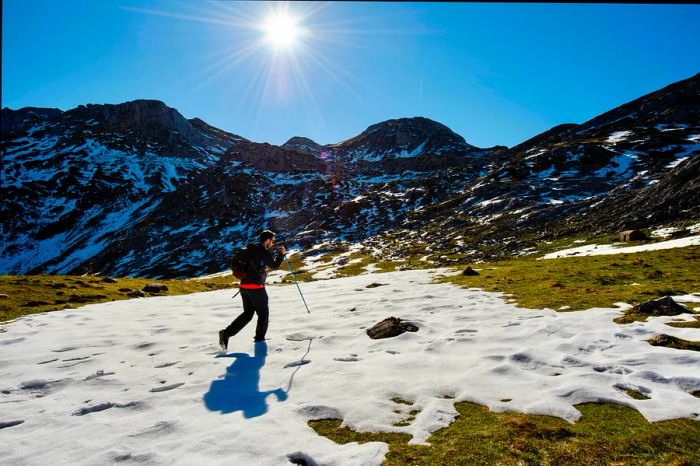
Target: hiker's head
(267, 237)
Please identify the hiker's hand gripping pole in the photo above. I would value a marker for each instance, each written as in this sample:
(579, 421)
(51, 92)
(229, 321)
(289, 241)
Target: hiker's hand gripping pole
(297, 283)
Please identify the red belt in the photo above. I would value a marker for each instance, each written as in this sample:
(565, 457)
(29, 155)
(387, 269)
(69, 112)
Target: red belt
(251, 286)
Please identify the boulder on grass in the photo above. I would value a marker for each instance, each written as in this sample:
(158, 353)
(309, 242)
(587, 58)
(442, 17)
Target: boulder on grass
(469, 271)
(665, 306)
(390, 327)
(109, 280)
(633, 235)
(155, 288)
(136, 294)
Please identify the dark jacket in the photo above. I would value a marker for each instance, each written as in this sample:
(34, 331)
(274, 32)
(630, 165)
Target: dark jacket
(260, 258)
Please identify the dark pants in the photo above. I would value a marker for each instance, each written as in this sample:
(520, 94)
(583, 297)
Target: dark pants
(254, 302)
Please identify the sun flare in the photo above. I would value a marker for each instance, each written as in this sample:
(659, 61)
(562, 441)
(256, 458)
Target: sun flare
(281, 30)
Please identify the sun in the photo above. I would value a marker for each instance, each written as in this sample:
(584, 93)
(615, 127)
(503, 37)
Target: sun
(281, 30)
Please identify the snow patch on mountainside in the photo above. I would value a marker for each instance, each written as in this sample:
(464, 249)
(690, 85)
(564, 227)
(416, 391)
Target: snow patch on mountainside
(606, 249)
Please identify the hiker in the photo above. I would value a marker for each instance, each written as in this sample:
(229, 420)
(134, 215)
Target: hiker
(252, 289)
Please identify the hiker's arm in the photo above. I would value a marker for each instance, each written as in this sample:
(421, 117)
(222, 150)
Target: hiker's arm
(272, 262)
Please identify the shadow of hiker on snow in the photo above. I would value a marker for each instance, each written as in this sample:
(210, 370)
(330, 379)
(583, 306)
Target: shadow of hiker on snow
(239, 390)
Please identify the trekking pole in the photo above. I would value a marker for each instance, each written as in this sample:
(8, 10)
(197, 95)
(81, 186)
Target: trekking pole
(239, 292)
(297, 283)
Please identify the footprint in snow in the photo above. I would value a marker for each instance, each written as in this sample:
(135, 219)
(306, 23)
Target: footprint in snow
(351, 358)
(63, 350)
(144, 346)
(301, 459)
(73, 364)
(166, 364)
(298, 337)
(156, 430)
(41, 387)
(6, 424)
(76, 359)
(467, 330)
(46, 362)
(613, 369)
(297, 363)
(11, 342)
(511, 324)
(102, 407)
(167, 387)
(96, 375)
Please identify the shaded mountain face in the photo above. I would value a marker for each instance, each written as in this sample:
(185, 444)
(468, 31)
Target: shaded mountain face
(304, 146)
(545, 186)
(137, 189)
(394, 146)
(73, 182)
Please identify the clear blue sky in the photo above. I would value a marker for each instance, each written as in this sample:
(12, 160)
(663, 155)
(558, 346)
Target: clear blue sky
(494, 73)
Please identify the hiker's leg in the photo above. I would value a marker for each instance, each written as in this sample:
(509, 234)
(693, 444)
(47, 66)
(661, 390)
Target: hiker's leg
(263, 311)
(244, 318)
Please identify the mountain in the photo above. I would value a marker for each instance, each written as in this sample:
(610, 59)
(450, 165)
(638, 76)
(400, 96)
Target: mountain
(303, 145)
(137, 189)
(539, 189)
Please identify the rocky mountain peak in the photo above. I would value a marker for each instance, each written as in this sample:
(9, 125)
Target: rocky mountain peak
(404, 131)
(144, 125)
(26, 117)
(151, 117)
(303, 145)
(401, 138)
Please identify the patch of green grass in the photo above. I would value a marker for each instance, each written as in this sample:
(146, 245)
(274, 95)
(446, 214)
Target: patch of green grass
(589, 281)
(355, 268)
(297, 264)
(331, 429)
(637, 395)
(31, 294)
(605, 434)
(386, 266)
(669, 341)
(411, 417)
(687, 324)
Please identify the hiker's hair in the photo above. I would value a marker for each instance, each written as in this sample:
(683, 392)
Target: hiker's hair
(265, 235)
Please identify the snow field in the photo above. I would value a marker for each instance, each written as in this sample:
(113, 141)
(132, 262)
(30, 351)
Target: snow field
(607, 249)
(141, 380)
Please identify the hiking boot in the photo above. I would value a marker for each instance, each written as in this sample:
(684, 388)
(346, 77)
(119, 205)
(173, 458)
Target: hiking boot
(223, 340)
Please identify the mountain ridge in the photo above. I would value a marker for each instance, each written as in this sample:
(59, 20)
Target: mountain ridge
(138, 189)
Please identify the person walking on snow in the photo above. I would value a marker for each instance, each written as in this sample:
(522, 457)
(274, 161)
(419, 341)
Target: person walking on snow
(252, 289)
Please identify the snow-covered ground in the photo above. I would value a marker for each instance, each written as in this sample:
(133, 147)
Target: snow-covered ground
(605, 249)
(141, 380)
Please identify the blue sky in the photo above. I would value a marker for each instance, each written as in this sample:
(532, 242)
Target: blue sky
(494, 73)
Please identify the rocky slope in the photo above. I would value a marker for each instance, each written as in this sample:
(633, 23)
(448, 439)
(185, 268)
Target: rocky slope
(597, 177)
(137, 189)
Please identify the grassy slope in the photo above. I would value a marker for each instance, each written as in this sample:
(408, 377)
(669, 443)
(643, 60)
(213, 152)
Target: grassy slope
(593, 281)
(605, 434)
(42, 293)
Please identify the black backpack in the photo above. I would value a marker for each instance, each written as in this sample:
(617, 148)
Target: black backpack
(240, 262)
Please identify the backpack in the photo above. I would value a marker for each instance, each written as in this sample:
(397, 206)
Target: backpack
(240, 262)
